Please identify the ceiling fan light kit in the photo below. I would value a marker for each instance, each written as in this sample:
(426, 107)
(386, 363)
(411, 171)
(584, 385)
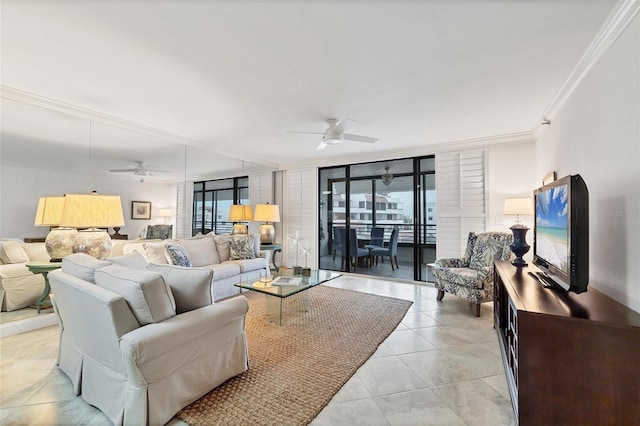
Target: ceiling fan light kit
(387, 177)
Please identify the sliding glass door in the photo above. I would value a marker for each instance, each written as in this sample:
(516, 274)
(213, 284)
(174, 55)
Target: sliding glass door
(360, 197)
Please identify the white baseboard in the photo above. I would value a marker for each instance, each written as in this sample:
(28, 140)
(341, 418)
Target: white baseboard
(30, 324)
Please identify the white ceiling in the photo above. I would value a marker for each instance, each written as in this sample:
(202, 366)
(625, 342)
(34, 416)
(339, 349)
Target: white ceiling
(232, 78)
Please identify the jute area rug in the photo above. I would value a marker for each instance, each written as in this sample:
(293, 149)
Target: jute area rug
(295, 369)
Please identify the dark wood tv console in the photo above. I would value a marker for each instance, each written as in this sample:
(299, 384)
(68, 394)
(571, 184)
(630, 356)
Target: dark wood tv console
(570, 359)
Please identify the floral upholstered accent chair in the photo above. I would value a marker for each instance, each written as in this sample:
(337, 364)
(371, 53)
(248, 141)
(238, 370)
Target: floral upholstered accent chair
(471, 277)
(159, 232)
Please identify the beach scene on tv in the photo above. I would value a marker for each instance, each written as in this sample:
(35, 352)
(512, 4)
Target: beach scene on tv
(552, 226)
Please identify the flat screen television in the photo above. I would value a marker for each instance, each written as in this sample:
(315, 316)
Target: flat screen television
(561, 234)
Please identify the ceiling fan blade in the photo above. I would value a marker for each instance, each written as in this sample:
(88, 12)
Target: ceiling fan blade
(358, 138)
(159, 171)
(122, 170)
(322, 145)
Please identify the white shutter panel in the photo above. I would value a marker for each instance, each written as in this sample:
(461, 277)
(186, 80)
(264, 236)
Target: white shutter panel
(460, 200)
(261, 189)
(300, 214)
(184, 210)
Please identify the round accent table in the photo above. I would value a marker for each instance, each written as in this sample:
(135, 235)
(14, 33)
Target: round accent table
(274, 248)
(43, 268)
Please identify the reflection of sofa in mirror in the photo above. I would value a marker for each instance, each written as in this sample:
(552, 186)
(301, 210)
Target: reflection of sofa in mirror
(19, 287)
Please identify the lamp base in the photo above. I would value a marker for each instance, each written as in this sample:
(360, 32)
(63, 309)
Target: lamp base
(94, 242)
(239, 228)
(267, 234)
(519, 247)
(59, 243)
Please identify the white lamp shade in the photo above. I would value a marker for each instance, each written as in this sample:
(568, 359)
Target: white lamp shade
(266, 213)
(49, 211)
(92, 211)
(165, 213)
(518, 206)
(240, 213)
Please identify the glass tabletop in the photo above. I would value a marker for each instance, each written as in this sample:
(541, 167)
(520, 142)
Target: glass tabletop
(284, 284)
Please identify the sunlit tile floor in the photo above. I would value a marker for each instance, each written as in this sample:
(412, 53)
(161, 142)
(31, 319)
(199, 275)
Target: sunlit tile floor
(440, 366)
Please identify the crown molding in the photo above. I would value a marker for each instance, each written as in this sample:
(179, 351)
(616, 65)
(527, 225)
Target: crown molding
(416, 151)
(32, 99)
(617, 21)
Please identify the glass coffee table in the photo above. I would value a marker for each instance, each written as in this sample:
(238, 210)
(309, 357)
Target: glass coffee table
(284, 285)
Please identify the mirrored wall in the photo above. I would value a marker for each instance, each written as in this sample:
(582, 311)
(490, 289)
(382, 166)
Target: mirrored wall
(46, 152)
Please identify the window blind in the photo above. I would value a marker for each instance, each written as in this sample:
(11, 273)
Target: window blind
(460, 200)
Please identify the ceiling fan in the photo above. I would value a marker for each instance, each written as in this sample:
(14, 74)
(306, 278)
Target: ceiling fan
(140, 170)
(334, 135)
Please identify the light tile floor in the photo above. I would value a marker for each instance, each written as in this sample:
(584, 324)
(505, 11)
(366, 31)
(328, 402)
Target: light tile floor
(440, 366)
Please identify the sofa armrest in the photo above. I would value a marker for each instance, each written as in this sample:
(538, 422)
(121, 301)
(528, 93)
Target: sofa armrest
(451, 262)
(154, 350)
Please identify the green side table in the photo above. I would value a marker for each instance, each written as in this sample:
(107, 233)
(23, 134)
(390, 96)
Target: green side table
(274, 248)
(43, 268)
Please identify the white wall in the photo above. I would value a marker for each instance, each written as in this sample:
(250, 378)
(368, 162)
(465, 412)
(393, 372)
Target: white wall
(597, 135)
(511, 172)
(22, 187)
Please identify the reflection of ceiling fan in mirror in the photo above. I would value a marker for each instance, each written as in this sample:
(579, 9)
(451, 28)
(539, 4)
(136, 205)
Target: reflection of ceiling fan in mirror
(334, 135)
(140, 170)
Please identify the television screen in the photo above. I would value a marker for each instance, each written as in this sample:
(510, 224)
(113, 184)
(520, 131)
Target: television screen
(552, 226)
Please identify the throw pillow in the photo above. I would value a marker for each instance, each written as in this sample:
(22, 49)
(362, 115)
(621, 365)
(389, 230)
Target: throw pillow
(12, 252)
(155, 252)
(241, 247)
(178, 255)
(201, 251)
(83, 266)
(222, 245)
(191, 287)
(146, 292)
(36, 251)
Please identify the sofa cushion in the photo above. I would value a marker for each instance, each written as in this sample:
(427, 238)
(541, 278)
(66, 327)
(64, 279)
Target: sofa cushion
(177, 255)
(247, 265)
(12, 252)
(202, 251)
(224, 270)
(191, 287)
(37, 252)
(222, 244)
(241, 247)
(146, 292)
(83, 266)
(133, 260)
(155, 252)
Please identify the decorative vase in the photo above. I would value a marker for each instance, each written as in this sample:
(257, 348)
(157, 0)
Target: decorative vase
(519, 247)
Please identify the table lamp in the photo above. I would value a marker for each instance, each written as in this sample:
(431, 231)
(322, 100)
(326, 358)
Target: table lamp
(165, 213)
(240, 213)
(59, 240)
(92, 211)
(267, 213)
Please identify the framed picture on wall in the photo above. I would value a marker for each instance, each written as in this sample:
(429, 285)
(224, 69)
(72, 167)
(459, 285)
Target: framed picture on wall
(141, 210)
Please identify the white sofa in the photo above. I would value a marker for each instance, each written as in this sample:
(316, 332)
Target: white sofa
(136, 352)
(19, 287)
(212, 252)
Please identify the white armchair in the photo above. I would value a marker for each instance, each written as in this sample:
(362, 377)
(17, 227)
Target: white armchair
(132, 350)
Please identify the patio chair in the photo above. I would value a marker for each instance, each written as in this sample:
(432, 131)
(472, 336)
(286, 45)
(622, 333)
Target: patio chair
(391, 250)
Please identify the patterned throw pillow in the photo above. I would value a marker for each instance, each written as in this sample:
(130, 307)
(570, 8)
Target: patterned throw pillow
(178, 255)
(241, 247)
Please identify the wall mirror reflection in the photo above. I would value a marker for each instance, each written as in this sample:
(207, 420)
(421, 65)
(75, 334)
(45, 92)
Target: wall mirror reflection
(46, 152)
